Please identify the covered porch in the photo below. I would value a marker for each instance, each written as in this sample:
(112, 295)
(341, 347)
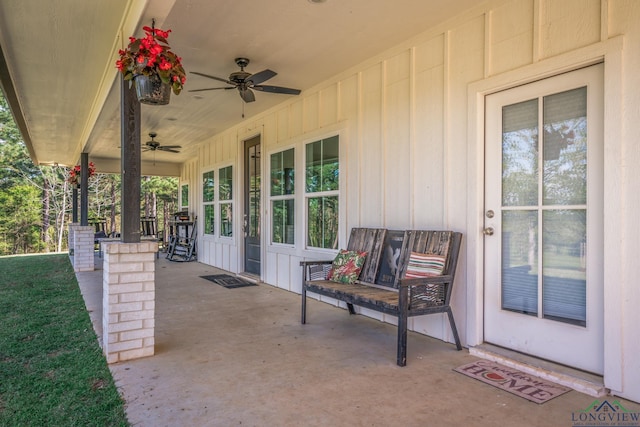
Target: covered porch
(241, 357)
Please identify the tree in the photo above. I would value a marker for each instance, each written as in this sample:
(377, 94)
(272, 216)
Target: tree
(20, 221)
(36, 202)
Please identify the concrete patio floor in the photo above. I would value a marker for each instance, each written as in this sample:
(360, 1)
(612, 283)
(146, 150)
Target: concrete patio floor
(228, 357)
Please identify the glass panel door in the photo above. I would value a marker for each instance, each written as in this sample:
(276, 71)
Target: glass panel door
(543, 228)
(252, 220)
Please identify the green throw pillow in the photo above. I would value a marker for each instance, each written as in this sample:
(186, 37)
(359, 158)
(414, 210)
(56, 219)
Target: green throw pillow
(346, 266)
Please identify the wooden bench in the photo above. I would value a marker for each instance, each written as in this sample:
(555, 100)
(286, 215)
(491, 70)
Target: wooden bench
(381, 285)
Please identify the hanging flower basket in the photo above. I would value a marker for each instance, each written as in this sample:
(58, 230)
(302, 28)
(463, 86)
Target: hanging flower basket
(154, 68)
(76, 172)
(151, 90)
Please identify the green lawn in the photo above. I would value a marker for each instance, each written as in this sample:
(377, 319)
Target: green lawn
(52, 370)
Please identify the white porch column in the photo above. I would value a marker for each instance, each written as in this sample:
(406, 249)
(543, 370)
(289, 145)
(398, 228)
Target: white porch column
(83, 237)
(128, 300)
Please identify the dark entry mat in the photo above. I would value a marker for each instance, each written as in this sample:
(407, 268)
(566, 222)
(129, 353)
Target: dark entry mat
(228, 281)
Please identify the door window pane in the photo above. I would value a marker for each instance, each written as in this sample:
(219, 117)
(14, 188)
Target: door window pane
(520, 154)
(253, 192)
(565, 148)
(561, 279)
(520, 261)
(564, 286)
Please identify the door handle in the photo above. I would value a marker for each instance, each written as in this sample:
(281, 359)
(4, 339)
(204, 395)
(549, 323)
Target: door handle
(244, 226)
(488, 231)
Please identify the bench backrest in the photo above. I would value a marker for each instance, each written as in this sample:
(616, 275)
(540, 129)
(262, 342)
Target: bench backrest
(370, 240)
(388, 251)
(148, 226)
(399, 245)
(100, 225)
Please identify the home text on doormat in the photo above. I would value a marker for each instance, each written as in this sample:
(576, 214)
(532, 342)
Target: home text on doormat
(513, 381)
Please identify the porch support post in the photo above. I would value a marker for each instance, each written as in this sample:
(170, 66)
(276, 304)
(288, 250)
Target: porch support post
(84, 185)
(75, 203)
(131, 163)
(128, 280)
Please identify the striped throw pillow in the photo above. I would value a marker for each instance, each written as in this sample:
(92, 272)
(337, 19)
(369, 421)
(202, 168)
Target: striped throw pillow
(424, 265)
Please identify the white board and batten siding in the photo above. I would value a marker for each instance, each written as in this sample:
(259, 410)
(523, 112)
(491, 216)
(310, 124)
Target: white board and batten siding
(411, 149)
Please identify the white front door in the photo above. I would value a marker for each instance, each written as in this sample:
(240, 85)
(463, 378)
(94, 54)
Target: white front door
(543, 219)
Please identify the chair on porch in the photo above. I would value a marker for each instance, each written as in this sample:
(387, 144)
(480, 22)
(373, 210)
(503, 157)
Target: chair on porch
(149, 231)
(100, 231)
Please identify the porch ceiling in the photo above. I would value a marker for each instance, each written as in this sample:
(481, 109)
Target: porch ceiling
(58, 63)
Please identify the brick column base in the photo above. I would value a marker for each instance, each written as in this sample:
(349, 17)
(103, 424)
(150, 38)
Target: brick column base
(128, 300)
(70, 236)
(83, 237)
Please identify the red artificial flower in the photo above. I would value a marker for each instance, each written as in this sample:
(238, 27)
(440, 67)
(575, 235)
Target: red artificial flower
(165, 65)
(163, 34)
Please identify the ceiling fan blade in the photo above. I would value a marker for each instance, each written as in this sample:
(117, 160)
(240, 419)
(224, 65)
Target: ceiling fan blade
(260, 77)
(211, 88)
(173, 147)
(212, 77)
(277, 89)
(247, 95)
(170, 150)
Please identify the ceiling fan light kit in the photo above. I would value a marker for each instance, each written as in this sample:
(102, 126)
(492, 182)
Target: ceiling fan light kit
(246, 82)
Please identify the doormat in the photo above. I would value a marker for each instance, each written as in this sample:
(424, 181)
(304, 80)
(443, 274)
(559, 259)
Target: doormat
(228, 281)
(513, 381)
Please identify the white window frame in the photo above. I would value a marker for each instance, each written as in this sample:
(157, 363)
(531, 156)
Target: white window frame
(321, 194)
(283, 197)
(208, 203)
(220, 202)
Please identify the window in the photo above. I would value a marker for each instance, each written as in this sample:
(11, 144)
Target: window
(321, 192)
(184, 197)
(225, 196)
(282, 197)
(222, 204)
(208, 200)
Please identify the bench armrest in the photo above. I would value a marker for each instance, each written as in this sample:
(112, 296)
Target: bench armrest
(425, 292)
(433, 280)
(310, 263)
(319, 264)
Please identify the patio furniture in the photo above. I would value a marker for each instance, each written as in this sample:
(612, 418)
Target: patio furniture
(100, 227)
(398, 277)
(182, 241)
(149, 231)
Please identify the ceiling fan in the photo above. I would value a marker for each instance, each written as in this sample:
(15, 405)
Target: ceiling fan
(244, 82)
(154, 145)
